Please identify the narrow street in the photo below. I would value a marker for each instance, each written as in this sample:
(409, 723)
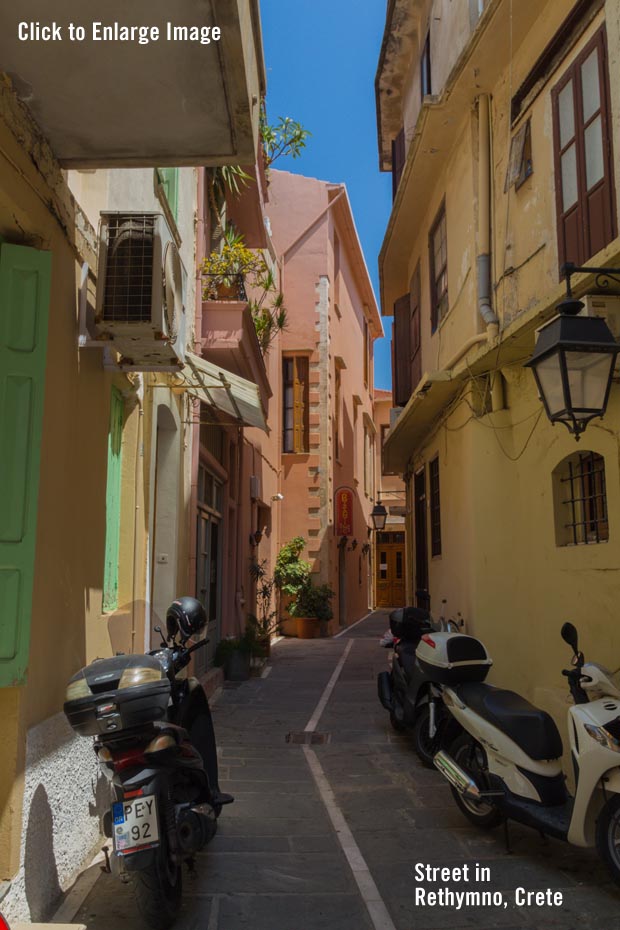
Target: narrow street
(277, 863)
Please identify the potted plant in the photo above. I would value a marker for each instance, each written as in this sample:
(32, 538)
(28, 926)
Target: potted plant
(265, 623)
(291, 572)
(234, 654)
(225, 271)
(312, 609)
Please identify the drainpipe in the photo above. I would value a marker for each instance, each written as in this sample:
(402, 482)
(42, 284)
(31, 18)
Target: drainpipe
(484, 220)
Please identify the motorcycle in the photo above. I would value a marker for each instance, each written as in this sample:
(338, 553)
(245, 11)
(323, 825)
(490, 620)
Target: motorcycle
(411, 691)
(155, 744)
(503, 758)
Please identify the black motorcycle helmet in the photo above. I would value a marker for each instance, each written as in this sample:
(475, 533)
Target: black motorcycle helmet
(186, 616)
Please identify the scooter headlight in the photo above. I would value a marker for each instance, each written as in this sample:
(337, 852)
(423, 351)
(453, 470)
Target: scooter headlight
(603, 737)
(132, 677)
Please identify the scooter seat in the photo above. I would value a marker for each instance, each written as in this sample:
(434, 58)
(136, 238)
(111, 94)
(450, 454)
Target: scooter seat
(532, 729)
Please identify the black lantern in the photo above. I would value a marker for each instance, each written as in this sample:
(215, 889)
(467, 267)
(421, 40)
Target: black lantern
(379, 516)
(573, 364)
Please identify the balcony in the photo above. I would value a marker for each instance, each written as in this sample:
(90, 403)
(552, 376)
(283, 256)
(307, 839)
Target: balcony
(125, 104)
(229, 340)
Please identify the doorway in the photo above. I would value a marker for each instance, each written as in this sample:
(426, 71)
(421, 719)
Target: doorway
(166, 507)
(390, 569)
(421, 542)
(208, 561)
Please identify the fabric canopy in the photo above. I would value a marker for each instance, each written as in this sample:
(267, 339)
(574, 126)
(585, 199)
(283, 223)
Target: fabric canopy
(233, 395)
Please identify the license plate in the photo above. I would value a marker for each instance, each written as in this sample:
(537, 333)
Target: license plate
(135, 824)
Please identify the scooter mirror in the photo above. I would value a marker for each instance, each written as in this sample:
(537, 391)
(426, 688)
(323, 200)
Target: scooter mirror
(571, 636)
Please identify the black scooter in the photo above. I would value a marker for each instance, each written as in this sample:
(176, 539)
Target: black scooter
(410, 694)
(155, 744)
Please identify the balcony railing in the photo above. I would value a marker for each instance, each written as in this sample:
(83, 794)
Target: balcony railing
(228, 287)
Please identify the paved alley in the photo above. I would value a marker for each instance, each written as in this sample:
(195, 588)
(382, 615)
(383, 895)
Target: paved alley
(277, 862)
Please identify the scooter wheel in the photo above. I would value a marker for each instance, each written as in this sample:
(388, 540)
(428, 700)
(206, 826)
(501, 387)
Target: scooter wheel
(471, 757)
(425, 746)
(608, 836)
(157, 889)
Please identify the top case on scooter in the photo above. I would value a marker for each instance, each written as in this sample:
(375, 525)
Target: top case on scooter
(449, 658)
(111, 695)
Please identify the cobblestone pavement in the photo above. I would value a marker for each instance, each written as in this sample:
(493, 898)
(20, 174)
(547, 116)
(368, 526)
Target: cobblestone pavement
(277, 863)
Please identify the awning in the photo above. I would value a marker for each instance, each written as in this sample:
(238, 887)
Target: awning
(237, 398)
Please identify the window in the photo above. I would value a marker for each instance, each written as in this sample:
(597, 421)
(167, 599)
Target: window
(385, 428)
(520, 165)
(435, 508)
(580, 500)
(583, 156)
(337, 403)
(113, 503)
(438, 246)
(425, 68)
(337, 274)
(169, 183)
(366, 353)
(295, 396)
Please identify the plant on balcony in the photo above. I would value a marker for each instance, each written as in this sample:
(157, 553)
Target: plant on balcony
(286, 137)
(226, 274)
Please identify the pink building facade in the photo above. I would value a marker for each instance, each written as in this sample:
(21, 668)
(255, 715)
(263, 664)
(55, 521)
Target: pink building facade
(327, 435)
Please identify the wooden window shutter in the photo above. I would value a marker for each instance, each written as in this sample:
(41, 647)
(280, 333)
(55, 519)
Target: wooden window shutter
(402, 358)
(415, 339)
(585, 194)
(24, 309)
(399, 155)
(300, 394)
(113, 503)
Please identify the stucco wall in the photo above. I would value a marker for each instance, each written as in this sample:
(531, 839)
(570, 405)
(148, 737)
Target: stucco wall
(63, 796)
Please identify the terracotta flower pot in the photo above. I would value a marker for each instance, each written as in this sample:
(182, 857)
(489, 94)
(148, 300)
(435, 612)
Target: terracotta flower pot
(307, 627)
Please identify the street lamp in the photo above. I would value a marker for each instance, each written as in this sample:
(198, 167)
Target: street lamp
(379, 516)
(573, 364)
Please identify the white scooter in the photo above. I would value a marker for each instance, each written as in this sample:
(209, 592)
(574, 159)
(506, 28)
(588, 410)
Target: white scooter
(505, 762)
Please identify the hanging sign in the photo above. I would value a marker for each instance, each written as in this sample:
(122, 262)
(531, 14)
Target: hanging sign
(343, 508)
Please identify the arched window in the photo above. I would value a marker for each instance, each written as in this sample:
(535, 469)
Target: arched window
(580, 500)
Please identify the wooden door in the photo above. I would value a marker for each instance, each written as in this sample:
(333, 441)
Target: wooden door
(390, 573)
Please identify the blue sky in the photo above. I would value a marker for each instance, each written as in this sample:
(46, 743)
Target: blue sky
(321, 58)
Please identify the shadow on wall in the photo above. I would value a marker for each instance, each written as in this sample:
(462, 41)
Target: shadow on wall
(40, 875)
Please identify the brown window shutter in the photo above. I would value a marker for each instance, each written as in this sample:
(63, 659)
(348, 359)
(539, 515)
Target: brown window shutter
(301, 436)
(402, 357)
(414, 330)
(589, 224)
(399, 155)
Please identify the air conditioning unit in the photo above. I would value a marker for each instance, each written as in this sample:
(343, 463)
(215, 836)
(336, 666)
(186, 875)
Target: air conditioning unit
(141, 288)
(255, 487)
(606, 306)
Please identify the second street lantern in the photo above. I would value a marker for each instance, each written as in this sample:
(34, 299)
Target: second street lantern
(573, 365)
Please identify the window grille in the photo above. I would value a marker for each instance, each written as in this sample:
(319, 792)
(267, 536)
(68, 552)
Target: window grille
(583, 518)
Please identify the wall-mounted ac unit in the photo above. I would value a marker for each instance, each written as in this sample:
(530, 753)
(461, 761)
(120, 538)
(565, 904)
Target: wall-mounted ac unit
(606, 306)
(141, 287)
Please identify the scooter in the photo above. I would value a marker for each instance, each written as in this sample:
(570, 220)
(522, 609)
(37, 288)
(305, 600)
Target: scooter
(409, 691)
(155, 744)
(503, 758)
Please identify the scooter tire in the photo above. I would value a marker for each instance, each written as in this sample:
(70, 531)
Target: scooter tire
(425, 747)
(484, 815)
(608, 835)
(157, 890)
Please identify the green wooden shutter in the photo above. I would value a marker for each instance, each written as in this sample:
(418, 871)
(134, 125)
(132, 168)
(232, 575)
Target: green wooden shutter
(113, 503)
(169, 180)
(24, 309)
